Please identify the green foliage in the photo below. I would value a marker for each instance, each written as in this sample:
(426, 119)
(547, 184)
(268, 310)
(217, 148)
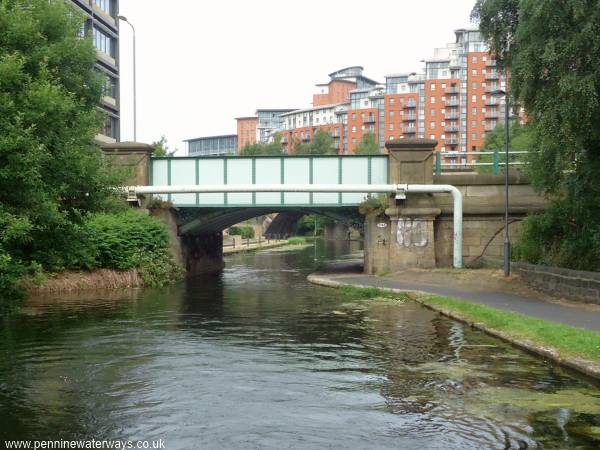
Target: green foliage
(158, 268)
(161, 147)
(121, 238)
(555, 75)
(296, 240)
(273, 148)
(374, 205)
(244, 231)
(368, 145)
(51, 172)
(520, 139)
(306, 224)
(321, 144)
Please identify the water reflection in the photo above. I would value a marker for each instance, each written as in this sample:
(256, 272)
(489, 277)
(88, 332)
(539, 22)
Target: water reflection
(257, 357)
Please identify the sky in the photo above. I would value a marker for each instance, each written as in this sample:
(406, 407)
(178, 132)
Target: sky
(200, 64)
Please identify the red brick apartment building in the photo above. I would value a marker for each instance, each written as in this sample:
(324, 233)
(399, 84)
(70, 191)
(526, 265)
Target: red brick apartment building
(452, 100)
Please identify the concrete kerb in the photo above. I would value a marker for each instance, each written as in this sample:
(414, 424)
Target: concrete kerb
(585, 367)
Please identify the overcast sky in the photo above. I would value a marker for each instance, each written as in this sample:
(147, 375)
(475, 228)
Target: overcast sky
(200, 64)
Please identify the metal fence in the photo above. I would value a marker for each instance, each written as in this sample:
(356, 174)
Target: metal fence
(248, 242)
(495, 160)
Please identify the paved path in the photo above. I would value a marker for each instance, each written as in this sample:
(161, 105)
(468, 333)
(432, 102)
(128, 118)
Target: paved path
(531, 306)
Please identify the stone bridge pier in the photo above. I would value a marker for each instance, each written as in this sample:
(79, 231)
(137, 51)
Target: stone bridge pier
(417, 232)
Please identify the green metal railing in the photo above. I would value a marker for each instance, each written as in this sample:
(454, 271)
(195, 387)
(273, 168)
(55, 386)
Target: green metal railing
(497, 162)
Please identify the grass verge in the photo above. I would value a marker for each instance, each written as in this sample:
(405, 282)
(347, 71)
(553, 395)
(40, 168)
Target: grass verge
(567, 340)
(577, 348)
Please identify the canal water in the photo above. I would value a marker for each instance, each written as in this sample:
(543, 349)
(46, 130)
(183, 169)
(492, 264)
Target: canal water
(259, 358)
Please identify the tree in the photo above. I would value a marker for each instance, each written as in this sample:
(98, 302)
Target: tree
(551, 51)
(520, 140)
(51, 172)
(321, 144)
(273, 148)
(161, 147)
(368, 145)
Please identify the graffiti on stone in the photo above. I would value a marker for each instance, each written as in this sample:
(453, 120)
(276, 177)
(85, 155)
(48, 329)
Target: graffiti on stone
(412, 233)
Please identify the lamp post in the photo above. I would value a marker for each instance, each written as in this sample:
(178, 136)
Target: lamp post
(124, 19)
(506, 142)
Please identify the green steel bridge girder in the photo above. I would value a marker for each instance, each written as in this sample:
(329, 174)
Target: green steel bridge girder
(199, 221)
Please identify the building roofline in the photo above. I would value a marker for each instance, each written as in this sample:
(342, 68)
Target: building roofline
(275, 110)
(211, 137)
(345, 68)
(246, 118)
(331, 105)
(403, 74)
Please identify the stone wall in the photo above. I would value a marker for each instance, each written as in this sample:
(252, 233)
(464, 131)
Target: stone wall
(574, 284)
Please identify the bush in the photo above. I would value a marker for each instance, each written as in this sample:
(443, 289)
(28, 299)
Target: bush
(297, 240)
(121, 239)
(244, 231)
(374, 205)
(559, 237)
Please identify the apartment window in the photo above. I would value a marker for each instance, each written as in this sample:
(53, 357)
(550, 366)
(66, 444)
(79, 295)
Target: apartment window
(443, 85)
(353, 117)
(432, 136)
(391, 138)
(474, 72)
(391, 127)
(362, 116)
(433, 86)
(432, 113)
(392, 101)
(484, 59)
(473, 98)
(354, 129)
(432, 125)
(353, 141)
(392, 114)
(109, 89)
(106, 5)
(474, 111)
(104, 43)
(474, 59)
(474, 124)
(432, 100)
(443, 124)
(110, 127)
(443, 111)
(474, 85)
(474, 136)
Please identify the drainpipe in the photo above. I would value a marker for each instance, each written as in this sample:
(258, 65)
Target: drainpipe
(399, 189)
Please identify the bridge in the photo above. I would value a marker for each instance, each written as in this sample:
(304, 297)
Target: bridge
(422, 227)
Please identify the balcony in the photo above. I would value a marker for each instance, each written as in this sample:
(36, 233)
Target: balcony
(492, 101)
(410, 106)
(492, 75)
(409, 132)
(305, 137)
(490, 127)
(490, 63)
(284, 140)
(451, 128)
(492, 88)
(452, 140)
(451, 90)
(409, 118)
(452, 102)
(370, 119)
(492, 115)
(451, 115)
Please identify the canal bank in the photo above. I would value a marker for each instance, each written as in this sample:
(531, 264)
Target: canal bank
(258, 357)
(563, 333)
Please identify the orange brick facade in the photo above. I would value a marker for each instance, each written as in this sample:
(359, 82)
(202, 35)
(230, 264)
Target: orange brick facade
(246, 131)
(338, 91)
